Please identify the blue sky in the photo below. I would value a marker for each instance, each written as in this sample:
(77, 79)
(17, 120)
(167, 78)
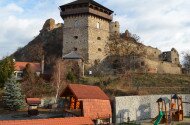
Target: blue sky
(160, 23)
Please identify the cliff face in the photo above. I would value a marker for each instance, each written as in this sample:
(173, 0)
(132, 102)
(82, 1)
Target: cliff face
(47, 44)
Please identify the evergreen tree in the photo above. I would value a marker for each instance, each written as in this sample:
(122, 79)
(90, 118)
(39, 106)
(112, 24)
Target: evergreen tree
(6, 70)
(13, 98)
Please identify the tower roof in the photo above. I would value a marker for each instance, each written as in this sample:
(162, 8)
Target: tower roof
(80, 7)
(82, 92)
(72, 55)
(77, 2)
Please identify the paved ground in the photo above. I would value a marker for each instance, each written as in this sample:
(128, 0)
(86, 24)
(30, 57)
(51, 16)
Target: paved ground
(186, 121)
(23, 114)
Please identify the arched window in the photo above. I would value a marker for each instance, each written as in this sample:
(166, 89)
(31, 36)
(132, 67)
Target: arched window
(98, 25)
(77, 23)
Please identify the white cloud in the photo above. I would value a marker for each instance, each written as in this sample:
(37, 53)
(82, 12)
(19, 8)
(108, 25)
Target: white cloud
(16, 33)
(159, 23)
(11, 8)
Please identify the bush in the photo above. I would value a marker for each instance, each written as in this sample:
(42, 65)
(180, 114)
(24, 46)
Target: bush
(71, 76)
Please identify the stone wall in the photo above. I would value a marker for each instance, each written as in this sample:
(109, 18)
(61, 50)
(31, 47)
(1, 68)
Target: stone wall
(114, 27)
(162, 67)
(88, 34)
(75, 35)
(141, 107)
(97, 38)
(152, 53)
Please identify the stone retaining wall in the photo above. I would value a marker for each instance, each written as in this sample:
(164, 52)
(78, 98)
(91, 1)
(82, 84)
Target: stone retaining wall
(141, 107)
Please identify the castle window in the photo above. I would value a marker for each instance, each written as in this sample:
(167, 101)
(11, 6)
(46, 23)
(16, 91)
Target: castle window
(75, 49)
(77, 23)
(76, 37)
(142, 64)
(98, 25)
(98, 38)
(99, 49)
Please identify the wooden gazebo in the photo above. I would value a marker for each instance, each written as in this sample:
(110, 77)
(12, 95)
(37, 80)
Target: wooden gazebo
(86, 101)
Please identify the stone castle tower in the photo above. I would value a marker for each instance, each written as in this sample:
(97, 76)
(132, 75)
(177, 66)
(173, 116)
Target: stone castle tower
(86, 29)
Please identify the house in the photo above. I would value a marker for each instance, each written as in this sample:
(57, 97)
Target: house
(20, 66)
(56, 121)
(87, 101)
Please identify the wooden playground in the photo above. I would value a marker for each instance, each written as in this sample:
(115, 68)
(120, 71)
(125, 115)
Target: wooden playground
(170, 110)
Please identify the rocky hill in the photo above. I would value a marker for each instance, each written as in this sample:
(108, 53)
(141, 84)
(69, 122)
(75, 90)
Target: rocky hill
(47, 44)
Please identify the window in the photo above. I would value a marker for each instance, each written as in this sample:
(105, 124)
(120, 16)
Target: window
(77, 23)
(142, 64)
(98, 38)
(75, 49)
(76, 37)
(98, 25)
(19, 75)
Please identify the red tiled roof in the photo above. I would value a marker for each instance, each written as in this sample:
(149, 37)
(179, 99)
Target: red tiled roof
(20, 66)
(95, 109)
(31, 101)
(86, 92)
(57, 121)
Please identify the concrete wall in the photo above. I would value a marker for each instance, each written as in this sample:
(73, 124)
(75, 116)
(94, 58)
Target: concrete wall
(141, 107)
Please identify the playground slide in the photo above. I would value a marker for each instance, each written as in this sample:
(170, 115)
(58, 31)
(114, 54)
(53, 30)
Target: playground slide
(159, 118)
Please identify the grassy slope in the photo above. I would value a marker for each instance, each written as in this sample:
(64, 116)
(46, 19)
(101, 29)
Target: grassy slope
(141, 84)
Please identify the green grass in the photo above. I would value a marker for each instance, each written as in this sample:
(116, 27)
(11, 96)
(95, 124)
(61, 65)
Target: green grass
(141, 84)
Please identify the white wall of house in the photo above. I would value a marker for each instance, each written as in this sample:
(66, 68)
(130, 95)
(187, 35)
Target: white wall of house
(19, 74)
(142, 107)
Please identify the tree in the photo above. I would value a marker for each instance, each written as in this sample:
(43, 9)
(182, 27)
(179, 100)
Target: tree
(186, 61)
(65, 71)
(6, 70)
(29, 74)
(123, 49)
(59, 76)
(12, 97)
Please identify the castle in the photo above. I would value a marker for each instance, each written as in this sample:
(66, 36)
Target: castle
(87, 28)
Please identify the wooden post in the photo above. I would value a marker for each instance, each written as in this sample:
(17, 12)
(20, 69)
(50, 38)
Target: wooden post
(166, 114)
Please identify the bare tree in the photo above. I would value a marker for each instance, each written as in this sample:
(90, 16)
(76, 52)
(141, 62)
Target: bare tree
(60, 74)
(124, 50)
(186, 61)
